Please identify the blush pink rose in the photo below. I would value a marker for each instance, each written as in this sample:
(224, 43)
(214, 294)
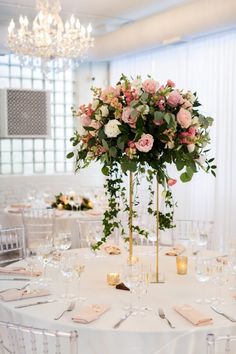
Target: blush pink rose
(96, 125)
(171, 182)
(126, 117)
(184, 118)
(145, 143)
(170, 83)
(85, 120)
(173, 98)
(150, 86)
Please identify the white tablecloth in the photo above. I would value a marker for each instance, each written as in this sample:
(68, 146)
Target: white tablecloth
(137, 335)
(65, 221)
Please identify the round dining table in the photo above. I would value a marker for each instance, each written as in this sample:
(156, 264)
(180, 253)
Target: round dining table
(145, 333)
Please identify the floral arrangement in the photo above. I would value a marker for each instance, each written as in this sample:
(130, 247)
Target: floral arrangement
(71, 201)
(141, 127)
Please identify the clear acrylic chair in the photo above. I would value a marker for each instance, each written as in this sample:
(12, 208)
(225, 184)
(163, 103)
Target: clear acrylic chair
(90, 231)
(225, 344)
(39, 225)
(188, 230)
(18, 339)
(12, 244)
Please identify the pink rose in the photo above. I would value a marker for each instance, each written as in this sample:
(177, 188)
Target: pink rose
(173, 98)
(170, 83)
(150, 86)
(171, 182)
(184, 118)
(96, 125)
(145, 143)
(85, 120)
(126, 117)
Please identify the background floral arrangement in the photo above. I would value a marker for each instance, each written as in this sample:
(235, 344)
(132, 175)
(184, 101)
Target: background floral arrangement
(71, 202)
(141, 126)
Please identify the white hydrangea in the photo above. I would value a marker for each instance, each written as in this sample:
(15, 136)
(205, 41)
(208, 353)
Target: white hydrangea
(112, 128)
(104, 110)
(191, 147)
(143, 108)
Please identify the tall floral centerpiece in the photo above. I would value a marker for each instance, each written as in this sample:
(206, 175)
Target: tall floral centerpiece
(139, 127)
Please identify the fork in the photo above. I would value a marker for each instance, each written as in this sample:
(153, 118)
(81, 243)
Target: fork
(23, 287)
(69, 309)
(163, 316)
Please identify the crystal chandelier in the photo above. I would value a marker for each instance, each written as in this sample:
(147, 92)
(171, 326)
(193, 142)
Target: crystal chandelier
(49, 42)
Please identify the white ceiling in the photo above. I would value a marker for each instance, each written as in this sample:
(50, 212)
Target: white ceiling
(104, 15)
(124, 27)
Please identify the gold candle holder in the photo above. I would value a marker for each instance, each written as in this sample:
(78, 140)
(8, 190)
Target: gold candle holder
(182, 265)
(113, 279)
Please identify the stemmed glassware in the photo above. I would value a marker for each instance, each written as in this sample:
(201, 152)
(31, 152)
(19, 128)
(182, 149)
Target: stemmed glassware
(63, 241)
(203, 271)
(221, 278)
(78, 270)
(44, 254)
(131, 278)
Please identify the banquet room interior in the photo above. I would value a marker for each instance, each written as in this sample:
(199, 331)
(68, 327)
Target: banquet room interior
(117, 170)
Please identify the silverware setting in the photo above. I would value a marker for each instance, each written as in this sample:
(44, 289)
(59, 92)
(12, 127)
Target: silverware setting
(117, 325)
(35, 303)
(220, 312)
(69, 309)
(162, 315)
(22, 288)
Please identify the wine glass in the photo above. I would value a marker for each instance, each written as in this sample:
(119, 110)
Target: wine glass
(67, 271)
(78, 270)
(202, 273)
(131, 277)
(221, 277)
(44, 254)
(63, 241)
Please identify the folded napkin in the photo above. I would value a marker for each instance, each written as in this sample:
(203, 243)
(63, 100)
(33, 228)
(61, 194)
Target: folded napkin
(19, 271)
(13, 295)
(20, 206)
(94, 212)
(90, 313)
(175, 250)
(194, 316)
(112, 249)
(222, 259)
(122, 286)
(14, 210)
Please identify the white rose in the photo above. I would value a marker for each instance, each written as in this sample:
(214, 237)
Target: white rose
(95, 104)
(137, 83)
(112, 128)
(144, 109)
(104, 111)
(191, 147)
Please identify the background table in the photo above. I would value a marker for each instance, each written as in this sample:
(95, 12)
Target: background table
(65, 221)
(137, 335)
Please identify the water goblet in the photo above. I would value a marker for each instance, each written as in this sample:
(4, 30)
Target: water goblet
(202, 273)
(63, 241)
(131, 279)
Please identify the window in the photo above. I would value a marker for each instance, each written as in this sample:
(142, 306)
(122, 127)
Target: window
(39, 156)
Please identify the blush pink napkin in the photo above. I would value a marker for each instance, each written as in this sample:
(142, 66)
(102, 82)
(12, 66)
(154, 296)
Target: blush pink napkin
(175, 250)
(13, 295)
(19, 271)
(90, 313)
(194, 316)
(20, 206)
(94, 212)
(112, 249)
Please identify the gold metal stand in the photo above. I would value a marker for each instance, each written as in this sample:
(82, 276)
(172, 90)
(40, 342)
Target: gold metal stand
(131, 186)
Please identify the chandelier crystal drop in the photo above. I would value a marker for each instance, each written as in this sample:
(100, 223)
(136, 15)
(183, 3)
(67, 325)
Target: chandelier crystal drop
(49, 42)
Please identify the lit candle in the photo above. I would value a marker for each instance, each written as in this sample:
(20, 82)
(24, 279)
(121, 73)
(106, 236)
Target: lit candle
(113, 278)
(182, 265)
(133, 260)
(60, 206)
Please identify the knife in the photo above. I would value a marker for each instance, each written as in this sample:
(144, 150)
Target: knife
(35, 303)
(20, 279)
(223, 314)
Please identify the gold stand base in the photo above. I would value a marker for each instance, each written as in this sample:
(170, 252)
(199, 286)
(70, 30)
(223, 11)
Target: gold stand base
(154, 279)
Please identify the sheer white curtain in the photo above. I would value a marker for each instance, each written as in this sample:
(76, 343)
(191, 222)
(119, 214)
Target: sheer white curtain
(208, 66)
